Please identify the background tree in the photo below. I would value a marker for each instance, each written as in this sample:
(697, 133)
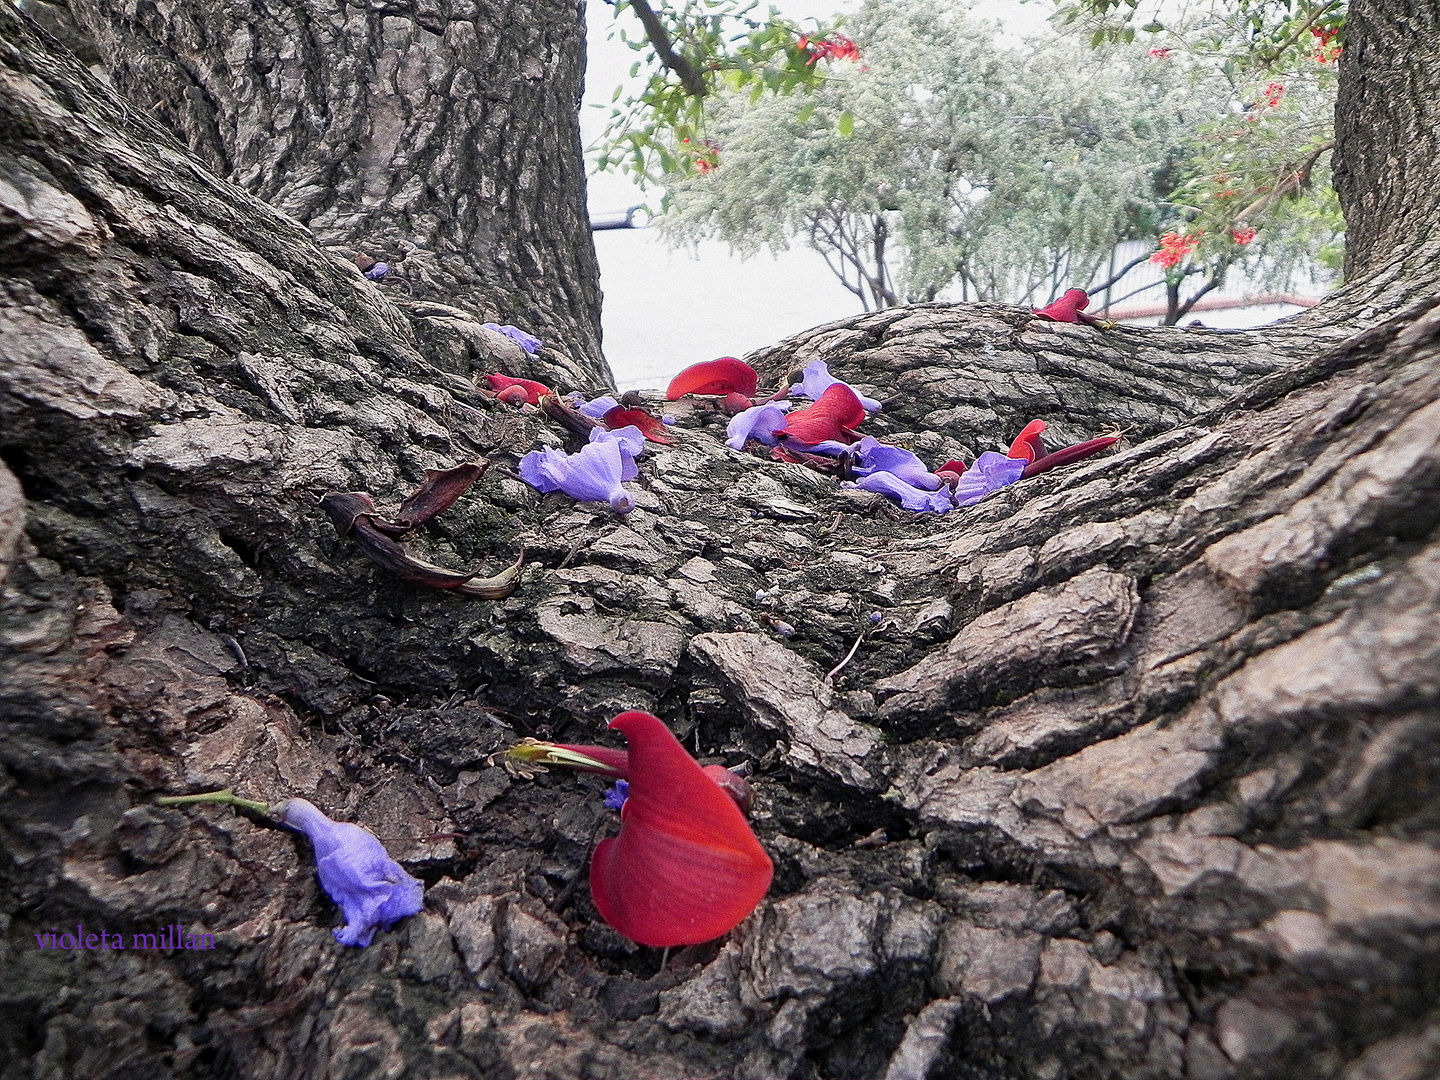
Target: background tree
(957, 161)
(1134, 778)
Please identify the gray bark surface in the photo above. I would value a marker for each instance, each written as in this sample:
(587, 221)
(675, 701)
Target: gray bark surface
(1135, 776)
(442, 139)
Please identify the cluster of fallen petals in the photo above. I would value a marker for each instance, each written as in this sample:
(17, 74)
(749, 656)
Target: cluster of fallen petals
(824, 434)
(685, 866)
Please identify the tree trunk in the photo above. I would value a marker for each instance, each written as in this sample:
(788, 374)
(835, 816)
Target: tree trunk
(443, 142)
(1387, 130)
(1134, 777)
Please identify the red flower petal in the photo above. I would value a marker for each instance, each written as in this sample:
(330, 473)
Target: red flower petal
(734, 404)
(649, 426)
(1068, 454)
(957, 467)
(533, 390)
(1067, 308)
(833, 416)
(722, 376)
(685, 868)
(1028, 444)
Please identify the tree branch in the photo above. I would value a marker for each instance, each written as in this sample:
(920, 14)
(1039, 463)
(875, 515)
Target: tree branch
(665, 50)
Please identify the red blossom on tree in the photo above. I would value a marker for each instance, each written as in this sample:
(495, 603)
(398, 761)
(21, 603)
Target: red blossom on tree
(835, 47)
(1173, 248)
(1243, 235)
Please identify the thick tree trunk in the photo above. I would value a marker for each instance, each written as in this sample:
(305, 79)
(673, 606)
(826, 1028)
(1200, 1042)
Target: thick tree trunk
(443, 140)
(1387, 129)
(1135, 776)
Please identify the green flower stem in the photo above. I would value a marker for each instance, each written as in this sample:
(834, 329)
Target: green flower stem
(224, 797)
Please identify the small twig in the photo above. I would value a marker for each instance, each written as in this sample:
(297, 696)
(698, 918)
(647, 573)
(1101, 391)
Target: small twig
(830, 675)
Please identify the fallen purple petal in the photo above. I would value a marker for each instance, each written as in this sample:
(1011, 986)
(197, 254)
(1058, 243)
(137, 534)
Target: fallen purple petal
(514, 333)
(594, 474)
(759, 423)
(989, 474)
(597, 409)
(874, 456)
(818, 379)
(379, 270)
(907, 495)
(615, 797)
(372, 889)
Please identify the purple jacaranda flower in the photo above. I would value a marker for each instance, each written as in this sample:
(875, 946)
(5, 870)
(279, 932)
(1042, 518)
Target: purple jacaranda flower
(515, 334)
(377, 271)
(831, 447)
(595, 473)
(872, 456)
(818, 379)
(989, 474)
(615, 797)
(597, 409)
(372, 889)
(907, 495)
(759, 423)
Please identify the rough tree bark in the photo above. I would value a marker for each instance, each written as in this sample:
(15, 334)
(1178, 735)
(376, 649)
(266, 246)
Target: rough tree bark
(440, 138)
(1136, 776)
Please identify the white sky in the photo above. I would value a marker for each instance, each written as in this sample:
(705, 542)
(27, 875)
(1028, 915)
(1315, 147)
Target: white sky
(665, 310)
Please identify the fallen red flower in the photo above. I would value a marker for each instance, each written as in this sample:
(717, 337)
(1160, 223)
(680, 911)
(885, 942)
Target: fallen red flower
(957, 467)
(723, 376)
(833, 417)
(1069, 308)
(1028, 444)
(685, 867)
(534, 391)
(650, 426)
(1069, 454)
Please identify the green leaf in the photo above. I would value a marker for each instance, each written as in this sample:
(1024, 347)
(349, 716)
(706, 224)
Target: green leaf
(846, 124)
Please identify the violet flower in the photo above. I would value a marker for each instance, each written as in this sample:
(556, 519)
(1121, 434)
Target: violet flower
(372, 889)
(989, 474)
(597, 409)
(377, 271)
(515, 334)
(907, 495)
(615, 797)
(818, 379)
(873, 456)
(759, 423)
(595, 473)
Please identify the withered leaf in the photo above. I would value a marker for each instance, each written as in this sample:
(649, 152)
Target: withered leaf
(440, 489)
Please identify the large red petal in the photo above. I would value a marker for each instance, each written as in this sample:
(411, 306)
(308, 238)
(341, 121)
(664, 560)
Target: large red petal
(832, 416)
(723, 376)
(1067, 308)
(533, 390)
(1028, 445)
(651, 427)
(685, 868)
